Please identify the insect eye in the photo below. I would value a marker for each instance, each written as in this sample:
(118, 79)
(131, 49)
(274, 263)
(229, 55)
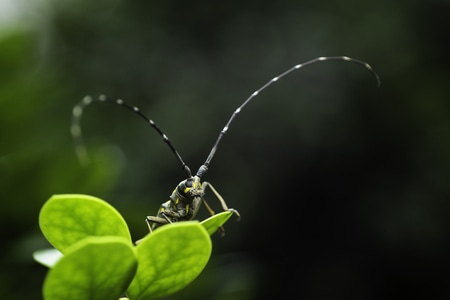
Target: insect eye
(189, 182)
(182, 189)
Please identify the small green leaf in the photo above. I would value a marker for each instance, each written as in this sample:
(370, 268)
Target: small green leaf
(47, 257)
(95, 268)
(214, 222)
(66, 219)
(169, 259)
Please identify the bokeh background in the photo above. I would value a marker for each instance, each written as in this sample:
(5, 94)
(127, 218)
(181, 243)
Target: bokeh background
(343, 187)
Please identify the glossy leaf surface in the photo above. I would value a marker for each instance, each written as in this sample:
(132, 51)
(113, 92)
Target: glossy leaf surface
(67, 219)
(95, 268)
(169, 259)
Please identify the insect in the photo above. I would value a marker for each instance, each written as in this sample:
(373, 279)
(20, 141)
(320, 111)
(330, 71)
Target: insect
(188, 196)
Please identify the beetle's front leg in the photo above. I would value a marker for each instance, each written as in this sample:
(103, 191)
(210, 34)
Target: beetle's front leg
(151, 220)
(171, 214)
(222, 202)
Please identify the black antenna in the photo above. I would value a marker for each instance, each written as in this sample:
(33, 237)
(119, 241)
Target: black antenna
(204, 168)
(75, 129)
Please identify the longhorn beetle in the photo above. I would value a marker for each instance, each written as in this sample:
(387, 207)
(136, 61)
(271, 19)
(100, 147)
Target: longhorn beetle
(187, 197)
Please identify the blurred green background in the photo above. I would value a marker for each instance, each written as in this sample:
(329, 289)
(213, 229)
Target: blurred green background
(343, 188)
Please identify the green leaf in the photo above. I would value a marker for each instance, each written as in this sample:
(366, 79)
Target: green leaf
(169, 259)
(95, 268)
(66, 219)
(47, 257)
(214, 222)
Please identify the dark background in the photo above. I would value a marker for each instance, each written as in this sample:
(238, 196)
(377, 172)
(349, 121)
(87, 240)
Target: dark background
(343, 187)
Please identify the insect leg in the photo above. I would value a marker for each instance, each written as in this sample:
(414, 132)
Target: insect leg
(161, 218)
(206, 184)
(152, 220)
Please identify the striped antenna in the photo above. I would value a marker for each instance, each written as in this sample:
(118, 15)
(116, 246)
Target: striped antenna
(75, 129)
(204, 168)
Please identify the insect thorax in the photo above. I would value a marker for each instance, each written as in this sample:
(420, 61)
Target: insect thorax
(184, 200)
(188, 189)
